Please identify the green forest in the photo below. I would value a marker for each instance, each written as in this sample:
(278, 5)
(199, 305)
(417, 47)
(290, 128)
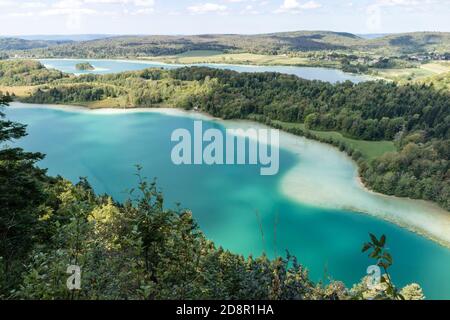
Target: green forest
(136, 249)
(270, 44)
(415, 118)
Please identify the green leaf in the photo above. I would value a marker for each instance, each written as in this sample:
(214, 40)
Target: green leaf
(366, 247)
(374, 239)
(388, 257)
(382, 240)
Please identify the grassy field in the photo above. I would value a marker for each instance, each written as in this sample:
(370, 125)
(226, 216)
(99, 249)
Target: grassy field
(19, 91)
(440, 81)
(403, 75)
(199, 53)
(369, 149)
(418, 74)
(437, 67)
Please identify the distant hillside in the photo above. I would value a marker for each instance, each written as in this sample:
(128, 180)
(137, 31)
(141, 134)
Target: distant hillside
(137, 46)
(9, 44)
(275, 43)
(65, 38)
(408, 43)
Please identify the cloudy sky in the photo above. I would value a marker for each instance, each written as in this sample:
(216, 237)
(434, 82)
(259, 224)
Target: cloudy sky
(29, 17)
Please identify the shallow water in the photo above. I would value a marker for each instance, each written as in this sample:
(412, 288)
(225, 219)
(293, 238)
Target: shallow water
(224, 199)
(113, 66)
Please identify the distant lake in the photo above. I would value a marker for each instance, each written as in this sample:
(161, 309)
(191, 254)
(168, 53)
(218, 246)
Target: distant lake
(114, 66)
(105, 145)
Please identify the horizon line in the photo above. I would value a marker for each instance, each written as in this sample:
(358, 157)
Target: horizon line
(202, 34)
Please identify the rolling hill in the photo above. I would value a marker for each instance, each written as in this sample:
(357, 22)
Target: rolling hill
(12, 44)
(274, 43)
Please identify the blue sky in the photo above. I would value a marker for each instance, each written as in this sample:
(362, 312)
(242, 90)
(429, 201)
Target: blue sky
(220, 16)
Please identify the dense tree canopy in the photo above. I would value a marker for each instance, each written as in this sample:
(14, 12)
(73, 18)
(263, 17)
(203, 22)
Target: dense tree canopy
(272, 44)
(23, 73)
(22, 190)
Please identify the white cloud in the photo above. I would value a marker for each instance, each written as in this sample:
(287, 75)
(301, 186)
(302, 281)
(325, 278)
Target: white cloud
(294, 6)
(374, 12)
(138, 3)
(21, 14)
(129, 7)
(74, 10)
(410, 4)
(67, 7)
(399, 2)
(106, 1)
(143, 11)
(250, 9)
(207, 8)
(6, 3)
(144, 3)
(33, 5)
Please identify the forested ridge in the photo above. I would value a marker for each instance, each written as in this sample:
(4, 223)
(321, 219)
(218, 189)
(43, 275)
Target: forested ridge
(415, 117)
(26, 72)
(268, 44)
(8, 44)
(137, 249)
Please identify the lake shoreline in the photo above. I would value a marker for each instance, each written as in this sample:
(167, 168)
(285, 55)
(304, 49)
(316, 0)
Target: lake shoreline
(153, 60)
(168, 64)
(431, 224)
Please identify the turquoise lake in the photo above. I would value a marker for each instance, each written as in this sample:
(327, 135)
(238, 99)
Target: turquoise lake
(113, 66)
(225, 199)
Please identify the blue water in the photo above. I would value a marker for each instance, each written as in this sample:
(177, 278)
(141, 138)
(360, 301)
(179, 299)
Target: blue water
(225, 199)
(114, 66)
